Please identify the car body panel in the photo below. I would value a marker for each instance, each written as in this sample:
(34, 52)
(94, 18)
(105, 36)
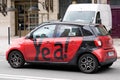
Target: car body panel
(64, 49)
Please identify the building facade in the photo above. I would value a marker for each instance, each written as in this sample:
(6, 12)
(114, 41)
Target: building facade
(22, 20)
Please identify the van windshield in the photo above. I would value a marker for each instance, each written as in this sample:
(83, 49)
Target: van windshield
(79, 16)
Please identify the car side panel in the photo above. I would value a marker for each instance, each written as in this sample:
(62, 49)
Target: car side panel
(65, 48)
(39, 49)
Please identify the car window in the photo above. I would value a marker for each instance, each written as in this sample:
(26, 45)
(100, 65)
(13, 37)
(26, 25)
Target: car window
(98, 18)
(68, 31)
(46, 31)
(86, 31)
(101, 30)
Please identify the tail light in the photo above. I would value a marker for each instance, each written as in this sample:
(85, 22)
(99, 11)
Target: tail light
(111, 41)
(98, 42)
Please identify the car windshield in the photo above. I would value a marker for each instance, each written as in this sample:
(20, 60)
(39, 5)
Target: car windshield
(80, 16)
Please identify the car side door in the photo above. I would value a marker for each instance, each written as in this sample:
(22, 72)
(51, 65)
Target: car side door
(67, 42)
(39, 48)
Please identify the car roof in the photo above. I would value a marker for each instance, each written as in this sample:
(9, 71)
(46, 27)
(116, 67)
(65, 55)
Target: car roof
(68, 23)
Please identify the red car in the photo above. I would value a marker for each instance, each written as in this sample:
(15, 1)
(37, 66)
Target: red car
(87, 46)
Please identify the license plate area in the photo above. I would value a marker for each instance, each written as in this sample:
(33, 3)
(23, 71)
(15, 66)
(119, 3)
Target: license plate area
(110, 54)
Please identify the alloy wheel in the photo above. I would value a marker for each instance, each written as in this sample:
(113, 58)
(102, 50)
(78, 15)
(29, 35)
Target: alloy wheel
(16, 59)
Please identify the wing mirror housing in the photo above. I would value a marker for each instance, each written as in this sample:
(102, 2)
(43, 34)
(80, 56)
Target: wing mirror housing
(29, 36)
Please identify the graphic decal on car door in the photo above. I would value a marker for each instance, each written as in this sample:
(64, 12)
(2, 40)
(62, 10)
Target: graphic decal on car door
(61, 51)
(37, 47)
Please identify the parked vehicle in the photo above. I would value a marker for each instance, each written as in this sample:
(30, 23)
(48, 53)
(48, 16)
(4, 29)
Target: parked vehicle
(90, 13)
(87, 46)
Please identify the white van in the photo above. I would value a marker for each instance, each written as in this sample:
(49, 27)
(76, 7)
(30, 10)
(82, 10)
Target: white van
(89, 13)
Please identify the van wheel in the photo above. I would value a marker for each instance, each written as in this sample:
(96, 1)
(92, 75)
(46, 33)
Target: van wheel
(16, 59)
(88, 63)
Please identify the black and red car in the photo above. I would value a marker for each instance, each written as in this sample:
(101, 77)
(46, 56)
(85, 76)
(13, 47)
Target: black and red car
(86, 45)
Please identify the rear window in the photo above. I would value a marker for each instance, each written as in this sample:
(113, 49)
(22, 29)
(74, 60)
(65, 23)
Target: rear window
(101, 30)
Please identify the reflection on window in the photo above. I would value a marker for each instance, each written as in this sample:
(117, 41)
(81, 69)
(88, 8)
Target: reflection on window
(86, 31)
(68, 31)
(101, 30)
(44, 32)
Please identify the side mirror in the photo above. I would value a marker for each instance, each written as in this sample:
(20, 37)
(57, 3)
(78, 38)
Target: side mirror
(29, 36)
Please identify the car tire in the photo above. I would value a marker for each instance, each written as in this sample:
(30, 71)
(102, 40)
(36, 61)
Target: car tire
(16, 59)
(87, 63)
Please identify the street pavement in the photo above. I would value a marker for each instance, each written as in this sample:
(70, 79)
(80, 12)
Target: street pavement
(55, 72)
(4, 44)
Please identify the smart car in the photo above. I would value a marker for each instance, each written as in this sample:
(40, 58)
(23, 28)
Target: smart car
(88, 46)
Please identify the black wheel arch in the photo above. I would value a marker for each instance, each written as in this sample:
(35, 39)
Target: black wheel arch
(84, 54)
(75, 59)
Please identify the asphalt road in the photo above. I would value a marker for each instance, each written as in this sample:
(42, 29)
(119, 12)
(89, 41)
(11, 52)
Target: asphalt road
(53, 72)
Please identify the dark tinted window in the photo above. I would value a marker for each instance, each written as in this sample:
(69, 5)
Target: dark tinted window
(86, 31)
(98, 18)
(68, 31)
(101, 30)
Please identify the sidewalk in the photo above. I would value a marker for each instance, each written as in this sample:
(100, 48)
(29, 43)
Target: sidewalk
(4, 45)
(117, 45)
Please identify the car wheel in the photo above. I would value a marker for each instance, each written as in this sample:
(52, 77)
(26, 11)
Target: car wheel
(16, 59)
(88, 63)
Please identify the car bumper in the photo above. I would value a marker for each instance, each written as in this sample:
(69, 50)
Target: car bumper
(105, 56)
(108, 61)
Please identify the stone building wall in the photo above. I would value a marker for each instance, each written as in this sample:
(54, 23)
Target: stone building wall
(9, 20)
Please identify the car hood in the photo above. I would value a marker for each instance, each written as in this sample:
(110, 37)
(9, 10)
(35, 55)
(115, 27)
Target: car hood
(18, 41)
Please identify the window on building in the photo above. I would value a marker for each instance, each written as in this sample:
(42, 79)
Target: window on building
(25, 20)
(95, 1)
(3, 6)
(49, 5)
(114, 2)
(63, 5)
(84, 1)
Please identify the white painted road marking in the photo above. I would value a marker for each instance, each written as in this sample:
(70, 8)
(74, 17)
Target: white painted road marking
(20, 77)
